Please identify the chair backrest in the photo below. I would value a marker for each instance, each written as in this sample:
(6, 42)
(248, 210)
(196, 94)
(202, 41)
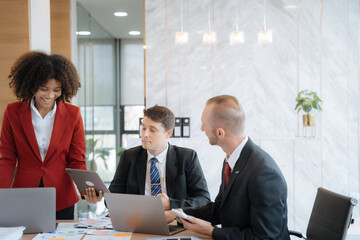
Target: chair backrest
(330, 216)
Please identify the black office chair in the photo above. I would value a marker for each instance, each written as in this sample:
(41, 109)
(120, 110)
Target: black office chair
(330, 217)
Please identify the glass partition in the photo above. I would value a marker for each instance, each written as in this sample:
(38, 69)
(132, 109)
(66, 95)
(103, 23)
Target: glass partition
(97, 101)
(111, 98)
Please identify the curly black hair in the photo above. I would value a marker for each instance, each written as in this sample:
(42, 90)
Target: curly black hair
(34, 69)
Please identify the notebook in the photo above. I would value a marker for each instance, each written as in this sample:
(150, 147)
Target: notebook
(33, 208)
(84, 179)
(138, 213)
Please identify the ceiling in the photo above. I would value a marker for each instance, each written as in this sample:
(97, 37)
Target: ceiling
(103, 13)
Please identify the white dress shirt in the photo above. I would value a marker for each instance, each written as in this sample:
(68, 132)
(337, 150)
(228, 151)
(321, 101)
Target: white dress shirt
(161, 165)
(43, 127)
(236, 153)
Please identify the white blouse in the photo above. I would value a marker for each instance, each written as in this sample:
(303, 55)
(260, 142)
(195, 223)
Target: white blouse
(43, 127)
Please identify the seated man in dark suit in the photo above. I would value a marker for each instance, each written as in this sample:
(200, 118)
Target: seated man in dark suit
(251, 203)
(157, 168)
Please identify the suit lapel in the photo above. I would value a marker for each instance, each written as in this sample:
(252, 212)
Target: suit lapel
(61, 118)
(222, 187)
(26, 122)
(171, 169)
(239, 166)
(141, 163)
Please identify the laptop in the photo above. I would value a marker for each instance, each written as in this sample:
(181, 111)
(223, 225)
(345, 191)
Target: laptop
(84, 179)
(138, 213)
(33, 208)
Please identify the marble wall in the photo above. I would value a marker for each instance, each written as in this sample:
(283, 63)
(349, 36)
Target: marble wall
(315, 46)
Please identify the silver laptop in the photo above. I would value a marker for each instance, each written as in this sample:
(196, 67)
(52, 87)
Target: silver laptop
(138, 213)
(34, 208)
(84, 179)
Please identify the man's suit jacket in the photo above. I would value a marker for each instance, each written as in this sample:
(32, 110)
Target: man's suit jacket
(253, 204)
(185, 182)
(66, 150)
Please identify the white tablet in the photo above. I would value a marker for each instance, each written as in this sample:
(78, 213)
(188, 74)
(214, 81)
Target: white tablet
(84, 179)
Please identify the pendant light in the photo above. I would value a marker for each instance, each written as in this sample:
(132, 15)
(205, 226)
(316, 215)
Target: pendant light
(237, 37)
(181, 37)
(210, 36)
(265, 36)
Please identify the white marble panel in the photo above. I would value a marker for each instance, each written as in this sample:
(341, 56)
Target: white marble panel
(211, 159)
(309, 44)
(335, 92)
(314, 47)
(273, 75)
(309, 53)
(155, 52)
(307, 178)
(352, 109)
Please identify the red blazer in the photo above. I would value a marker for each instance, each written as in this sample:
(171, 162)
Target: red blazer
(66, 150)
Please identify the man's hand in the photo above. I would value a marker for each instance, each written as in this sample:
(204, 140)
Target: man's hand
(198, 225)
(91, 195)
(170, 216)
(165, 201)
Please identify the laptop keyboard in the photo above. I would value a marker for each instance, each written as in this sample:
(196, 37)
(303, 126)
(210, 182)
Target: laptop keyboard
(174, 227)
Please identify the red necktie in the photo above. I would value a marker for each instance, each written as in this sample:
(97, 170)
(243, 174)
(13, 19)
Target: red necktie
(227, 173)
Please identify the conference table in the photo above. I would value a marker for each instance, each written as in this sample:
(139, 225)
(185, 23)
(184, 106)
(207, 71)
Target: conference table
(135, 236)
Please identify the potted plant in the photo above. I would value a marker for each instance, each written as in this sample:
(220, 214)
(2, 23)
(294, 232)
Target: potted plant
(306, 101)
(93, 152)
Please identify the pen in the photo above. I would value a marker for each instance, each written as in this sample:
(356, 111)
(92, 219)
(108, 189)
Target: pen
(96, 227)
(90, 226)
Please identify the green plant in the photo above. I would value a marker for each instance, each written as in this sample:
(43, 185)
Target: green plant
(307, 100)
(121, 150)
(93, 152)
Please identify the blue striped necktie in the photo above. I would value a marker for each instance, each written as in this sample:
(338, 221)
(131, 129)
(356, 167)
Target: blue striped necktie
(155, 178)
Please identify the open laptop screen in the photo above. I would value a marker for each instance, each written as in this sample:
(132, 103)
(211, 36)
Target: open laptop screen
(138, 213)
(34, 208)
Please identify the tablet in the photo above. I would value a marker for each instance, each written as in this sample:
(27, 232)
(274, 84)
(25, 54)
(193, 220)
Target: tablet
(84, 179)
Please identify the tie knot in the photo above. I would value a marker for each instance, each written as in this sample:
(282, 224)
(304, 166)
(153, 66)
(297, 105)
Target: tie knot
(153, 160)
(228, 166)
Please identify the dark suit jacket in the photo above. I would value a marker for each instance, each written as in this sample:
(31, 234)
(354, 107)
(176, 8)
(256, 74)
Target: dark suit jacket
(66, 150)
(253, 205)
(185, 182)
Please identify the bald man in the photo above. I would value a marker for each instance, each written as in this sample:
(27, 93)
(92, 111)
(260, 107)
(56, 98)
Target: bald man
(251, 203)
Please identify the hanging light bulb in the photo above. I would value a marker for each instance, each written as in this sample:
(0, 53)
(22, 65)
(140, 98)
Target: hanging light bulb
(265, 36)
(210, 36)
(237, 37)
(181, 37)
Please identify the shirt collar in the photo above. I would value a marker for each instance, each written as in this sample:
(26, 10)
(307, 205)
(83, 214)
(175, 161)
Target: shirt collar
(33, 108)
(236, 153)
(160, 157)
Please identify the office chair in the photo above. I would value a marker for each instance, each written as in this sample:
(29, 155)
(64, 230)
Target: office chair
(330, 217)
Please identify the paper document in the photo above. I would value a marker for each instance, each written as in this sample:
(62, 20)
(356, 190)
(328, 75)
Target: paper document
(42, 236)
(107, 235)
(11, 233)
(101, 223)
(63, 231)
(175, 238)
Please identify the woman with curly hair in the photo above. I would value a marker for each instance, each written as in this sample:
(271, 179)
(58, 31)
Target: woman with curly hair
(41, 135)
